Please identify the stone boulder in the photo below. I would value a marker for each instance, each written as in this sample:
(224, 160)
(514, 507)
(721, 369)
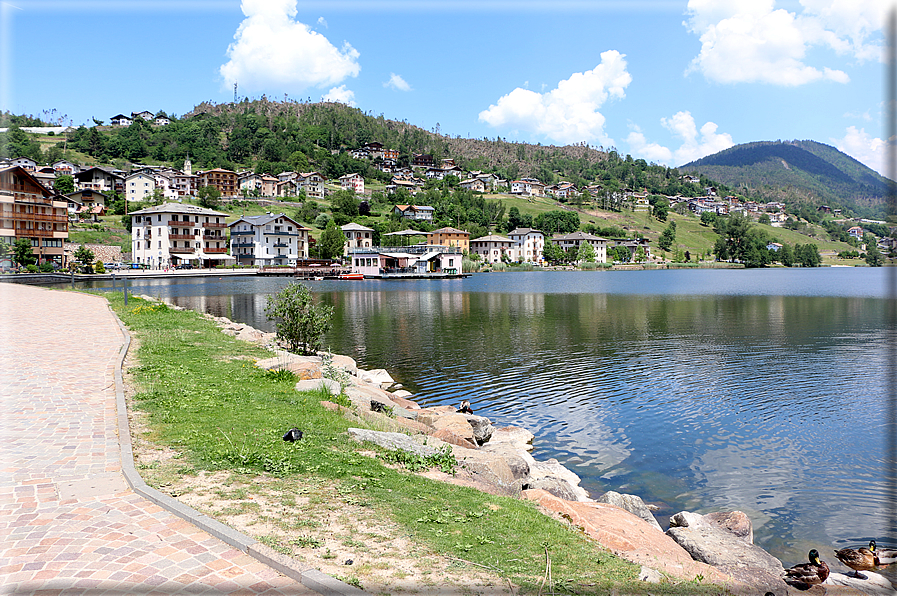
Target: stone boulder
(453, 439)
(734, 522)
(632, 504)
(875, 584)
(629, 537)
(557, 487)
(456, 423)
(345, 363)
(551, 468)
(482, 428)
(379, 377)
(402, 393)
(362, 396)
(330, 385)
(405, 403)
(723, 549)
(514, 435)
(507, 472)
(392, 441)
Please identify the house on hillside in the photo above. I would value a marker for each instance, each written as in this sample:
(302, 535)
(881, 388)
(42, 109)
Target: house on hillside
(29, 210)
(415, 212)
(121, 120)
(139, 186)
(353, 182)
(449, 237)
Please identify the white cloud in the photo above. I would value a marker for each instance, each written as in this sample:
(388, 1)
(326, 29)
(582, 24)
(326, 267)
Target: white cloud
(569, 113)
(864, 148)
(695, 144)
(752, 41)
(273, 50)
(322, 22)
(397, 82)
(340, 95)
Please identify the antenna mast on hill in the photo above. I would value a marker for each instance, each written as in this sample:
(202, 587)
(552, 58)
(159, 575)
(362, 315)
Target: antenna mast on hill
(235, 92)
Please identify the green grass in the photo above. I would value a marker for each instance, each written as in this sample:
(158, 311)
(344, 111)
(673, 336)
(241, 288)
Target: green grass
(110, 233)
(204, 399)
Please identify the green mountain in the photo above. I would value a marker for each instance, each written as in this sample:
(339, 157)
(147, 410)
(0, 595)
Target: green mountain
(798, 173)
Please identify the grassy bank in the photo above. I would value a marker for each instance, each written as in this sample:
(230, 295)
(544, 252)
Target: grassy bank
(215, 421)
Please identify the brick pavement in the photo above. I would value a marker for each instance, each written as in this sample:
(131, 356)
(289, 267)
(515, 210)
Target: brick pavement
(68, 521)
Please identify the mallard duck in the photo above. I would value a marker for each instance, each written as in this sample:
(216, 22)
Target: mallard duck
(465, 408)
(808, 574)
(885, 556)
(861, 559)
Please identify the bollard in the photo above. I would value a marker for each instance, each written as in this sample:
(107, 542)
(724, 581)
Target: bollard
(113, 281)
(73, 278)
(125, 287)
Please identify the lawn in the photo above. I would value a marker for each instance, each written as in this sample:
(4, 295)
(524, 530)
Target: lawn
(205, 402)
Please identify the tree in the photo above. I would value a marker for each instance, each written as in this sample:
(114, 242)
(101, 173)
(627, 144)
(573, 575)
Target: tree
(332, 242)
(345, 202)
(23, 253)
(586, 253)
(85, 256)
(553, 253)
(764, 219)
(208, 196)
(807, 255)
(708, 218)
(665, 242)
(298, 321)
(557, 222)
(874, 258)
(158, 197)
(786, 255)
(64, 184)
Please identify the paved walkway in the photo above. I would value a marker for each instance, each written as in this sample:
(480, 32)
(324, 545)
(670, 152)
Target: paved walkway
(68, 521)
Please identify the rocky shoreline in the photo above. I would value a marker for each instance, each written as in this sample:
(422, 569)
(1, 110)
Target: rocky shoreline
(717, 547)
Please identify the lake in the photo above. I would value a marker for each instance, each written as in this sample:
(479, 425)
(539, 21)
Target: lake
(758, 390)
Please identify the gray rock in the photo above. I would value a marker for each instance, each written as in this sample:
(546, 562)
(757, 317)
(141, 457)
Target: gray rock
(557, 487)
(736, 523)
(553, 469)
(378, 377)
(514, 435)
(874, 584)
(720, 548)
(392, 441)
(652, 576)
(345, 363)
(482, 428)
(631, 503)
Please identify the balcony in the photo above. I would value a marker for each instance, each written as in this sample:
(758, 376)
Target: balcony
(209, 224)
(242, 244)
(181, 251)
(180, 236)
(35, 216)
(242, 233)
(215, 251)
(281, 245)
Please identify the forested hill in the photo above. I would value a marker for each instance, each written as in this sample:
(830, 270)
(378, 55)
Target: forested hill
(797, 172)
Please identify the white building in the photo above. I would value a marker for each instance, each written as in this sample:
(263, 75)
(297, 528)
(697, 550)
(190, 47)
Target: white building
(354, 182)
(268, 240)
(528, 245)
(140, 186)
(357, 236)
(492, 248)
(572, 242)
(175, 234)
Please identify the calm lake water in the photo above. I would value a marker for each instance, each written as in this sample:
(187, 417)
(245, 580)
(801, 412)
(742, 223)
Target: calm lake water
(705, 390)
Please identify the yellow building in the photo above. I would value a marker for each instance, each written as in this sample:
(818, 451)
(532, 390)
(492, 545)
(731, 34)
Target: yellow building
(449, 237)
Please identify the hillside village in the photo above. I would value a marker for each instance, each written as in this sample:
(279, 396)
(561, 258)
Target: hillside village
(177, 220)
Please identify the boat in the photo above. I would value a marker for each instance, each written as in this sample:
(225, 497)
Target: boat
(351, 276)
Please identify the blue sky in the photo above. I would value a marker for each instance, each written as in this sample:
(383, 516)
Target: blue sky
(667, 81)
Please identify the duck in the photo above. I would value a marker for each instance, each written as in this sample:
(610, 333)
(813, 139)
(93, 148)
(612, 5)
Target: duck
(861, 559)
(465, 408)
(885, 556)
(808, 574)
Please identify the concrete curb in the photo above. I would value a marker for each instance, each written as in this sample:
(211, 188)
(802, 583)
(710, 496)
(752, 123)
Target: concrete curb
(307, 576)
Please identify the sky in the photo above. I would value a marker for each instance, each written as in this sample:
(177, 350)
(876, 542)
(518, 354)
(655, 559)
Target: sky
(668, 81)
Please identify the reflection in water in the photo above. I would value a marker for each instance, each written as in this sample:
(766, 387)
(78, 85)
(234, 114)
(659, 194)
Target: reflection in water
(695, 394)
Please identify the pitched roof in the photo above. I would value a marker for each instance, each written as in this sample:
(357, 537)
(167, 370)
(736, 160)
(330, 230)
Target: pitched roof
(261, 220)
(493, 238)
(354, 227)
(448, 231)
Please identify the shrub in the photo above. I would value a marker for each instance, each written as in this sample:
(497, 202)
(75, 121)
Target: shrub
(298, 321)
(46, 267)
(32, 268)
(99, 267)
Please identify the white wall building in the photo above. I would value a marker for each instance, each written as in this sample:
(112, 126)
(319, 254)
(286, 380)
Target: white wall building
(354, 182)
(528, 245)
(492, 248)
(357, 236)
(140, 186)
(268, 240)
(175, 234)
